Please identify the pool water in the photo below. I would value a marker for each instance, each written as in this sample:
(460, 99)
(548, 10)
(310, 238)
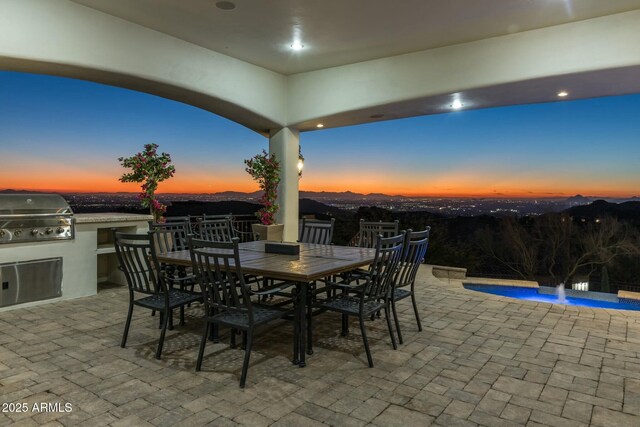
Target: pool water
(547, 294)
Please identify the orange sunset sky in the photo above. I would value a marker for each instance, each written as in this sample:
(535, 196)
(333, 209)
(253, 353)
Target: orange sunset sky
(65, 135)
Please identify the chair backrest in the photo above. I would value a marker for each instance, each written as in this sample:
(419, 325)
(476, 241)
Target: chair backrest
(384, 266)
(208, 217)
(218, 270)
(317, 231)
(415, 249)
(216, 230)
(171, 235)
(240, 225)
(138, 261)
(370, 230)
(187, 218)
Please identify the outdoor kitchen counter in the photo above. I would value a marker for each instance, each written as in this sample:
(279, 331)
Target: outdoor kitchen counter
(107, 217)
(87, 260)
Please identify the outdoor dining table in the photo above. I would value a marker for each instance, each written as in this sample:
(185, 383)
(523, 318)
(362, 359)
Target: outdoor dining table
(315, 262)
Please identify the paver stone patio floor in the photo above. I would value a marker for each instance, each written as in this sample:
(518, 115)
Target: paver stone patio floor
(480, 360)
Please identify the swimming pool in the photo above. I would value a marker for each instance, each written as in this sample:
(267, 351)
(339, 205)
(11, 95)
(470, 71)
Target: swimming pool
(547, 294)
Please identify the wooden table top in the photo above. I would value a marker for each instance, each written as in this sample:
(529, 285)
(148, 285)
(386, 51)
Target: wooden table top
(313, 263)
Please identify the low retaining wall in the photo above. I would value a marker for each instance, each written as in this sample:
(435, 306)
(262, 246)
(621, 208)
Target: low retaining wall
(444, 272)
(629, 295)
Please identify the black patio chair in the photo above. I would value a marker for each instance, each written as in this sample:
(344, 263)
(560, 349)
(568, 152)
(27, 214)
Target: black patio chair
(147, 287)
(179, 219)
(207, 217)
(415, 249)
(240, 225)
(227, 298)
(317, 231)
(367, 238)
(170, 236)
(370, 230)
(366, 299)
(216, 230)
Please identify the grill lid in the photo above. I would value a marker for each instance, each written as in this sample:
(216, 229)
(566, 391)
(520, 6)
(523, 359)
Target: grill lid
(33, 205)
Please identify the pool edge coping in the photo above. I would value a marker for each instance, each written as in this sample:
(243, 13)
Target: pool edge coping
(503, 282)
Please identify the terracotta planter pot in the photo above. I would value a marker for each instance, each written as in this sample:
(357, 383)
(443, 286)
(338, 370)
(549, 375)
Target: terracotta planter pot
(268, 232)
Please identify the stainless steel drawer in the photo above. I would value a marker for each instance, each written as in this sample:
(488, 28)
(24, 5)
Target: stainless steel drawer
(28, 281)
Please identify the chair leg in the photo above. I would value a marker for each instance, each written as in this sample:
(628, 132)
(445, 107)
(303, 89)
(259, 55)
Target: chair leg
(165, 323)
(170, 314)
(214, 334)
(415, 310)
(395, 318)
(203, 342)
(296, 328)
(345, 325)
(182, 315)
(232, 338)
(126, 326)
(387, 316)
(247, 355)
(366, 342)
(309, 325)
(244, 340)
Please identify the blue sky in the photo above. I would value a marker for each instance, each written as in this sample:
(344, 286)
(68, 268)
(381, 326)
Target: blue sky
(65, 135)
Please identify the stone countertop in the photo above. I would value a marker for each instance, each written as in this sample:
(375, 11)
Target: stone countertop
(89, 218)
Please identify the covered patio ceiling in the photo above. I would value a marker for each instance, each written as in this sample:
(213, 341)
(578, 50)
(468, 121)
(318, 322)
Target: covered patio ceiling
(361, 61)
(388, 40)
(338, 32)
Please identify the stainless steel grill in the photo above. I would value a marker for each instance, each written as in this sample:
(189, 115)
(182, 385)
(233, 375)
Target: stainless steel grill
(35, 218)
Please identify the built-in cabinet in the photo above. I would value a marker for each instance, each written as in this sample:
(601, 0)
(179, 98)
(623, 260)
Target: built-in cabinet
(107, 262)
(96, 232)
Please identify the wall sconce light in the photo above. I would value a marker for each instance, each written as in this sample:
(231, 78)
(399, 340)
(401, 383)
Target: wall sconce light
(300, 162)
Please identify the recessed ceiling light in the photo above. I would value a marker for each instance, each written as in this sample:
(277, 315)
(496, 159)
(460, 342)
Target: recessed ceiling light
(297, 45)
(376, 116)
(225, 5)
(563, 93)
(457, 104)
(319, 125)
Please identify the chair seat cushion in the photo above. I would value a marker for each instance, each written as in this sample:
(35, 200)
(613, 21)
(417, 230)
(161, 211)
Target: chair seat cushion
(177, 298)
(261, 314)
(400, 293)
(350, 304)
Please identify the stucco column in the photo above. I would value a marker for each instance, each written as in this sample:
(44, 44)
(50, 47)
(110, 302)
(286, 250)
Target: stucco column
(285, 144)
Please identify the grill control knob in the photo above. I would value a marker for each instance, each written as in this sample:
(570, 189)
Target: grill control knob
(17, 233)
(34, 232)
(49, 230)
(60, 230)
